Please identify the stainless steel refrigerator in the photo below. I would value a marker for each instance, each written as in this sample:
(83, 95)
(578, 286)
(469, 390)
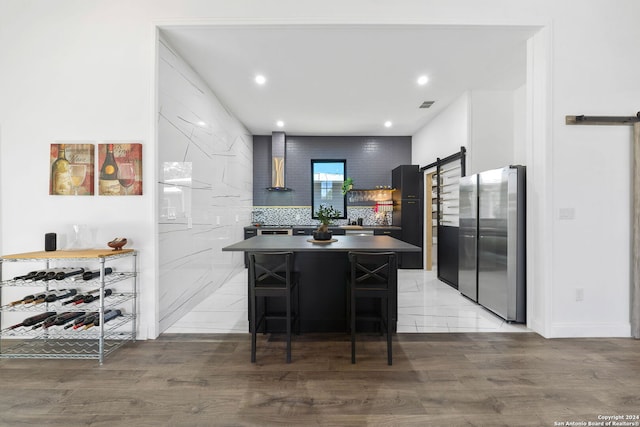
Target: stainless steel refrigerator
(492, 242)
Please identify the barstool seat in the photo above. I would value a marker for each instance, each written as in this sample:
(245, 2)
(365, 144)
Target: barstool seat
(372, 275)
(271, 275)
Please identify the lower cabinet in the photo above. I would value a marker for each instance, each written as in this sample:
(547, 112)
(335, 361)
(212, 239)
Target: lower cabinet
(67, 304)
(396, 234)
(303, 231)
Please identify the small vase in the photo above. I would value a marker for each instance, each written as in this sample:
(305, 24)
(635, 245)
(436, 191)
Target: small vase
(322, 235)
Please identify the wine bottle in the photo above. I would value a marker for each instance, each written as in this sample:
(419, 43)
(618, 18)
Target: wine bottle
(54, 295)
(80, 320)
(80, 297)
(71, 272)
(32, 298)
(50, 275)
(90, 298)
(27, 276)
(108, 182)
(40, 298)
(108, 315)
(41, 274)
(87, 320)
(59, 319)
(24, 300)
(60, 174)
(92, 274)
(33, 320)
(54, 273)
(61, 294)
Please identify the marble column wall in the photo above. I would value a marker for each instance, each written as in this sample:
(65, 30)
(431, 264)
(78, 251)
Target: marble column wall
(205, 184)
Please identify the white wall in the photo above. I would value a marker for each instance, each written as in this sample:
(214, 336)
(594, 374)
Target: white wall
(86, 71)
(491, 127)
(444, 135)
(520, 126)
(205, 195)
(68, 73)
(592, 251)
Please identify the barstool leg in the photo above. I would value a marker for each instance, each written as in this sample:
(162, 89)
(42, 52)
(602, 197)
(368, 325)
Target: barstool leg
(289, 327)
(253, 329)
(298, 308)
(389, 336)
(353, 327)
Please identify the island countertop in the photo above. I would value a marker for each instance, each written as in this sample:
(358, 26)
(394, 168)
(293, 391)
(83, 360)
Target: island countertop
(303, 244)
(323, 270)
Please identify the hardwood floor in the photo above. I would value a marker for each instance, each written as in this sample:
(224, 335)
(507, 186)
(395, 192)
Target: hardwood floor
(489, 379)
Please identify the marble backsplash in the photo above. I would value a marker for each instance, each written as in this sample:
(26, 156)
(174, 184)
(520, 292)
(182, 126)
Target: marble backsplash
(301, 215)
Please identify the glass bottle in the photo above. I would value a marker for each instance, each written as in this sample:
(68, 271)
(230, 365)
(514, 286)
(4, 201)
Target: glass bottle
(60, 174)
(108, 182)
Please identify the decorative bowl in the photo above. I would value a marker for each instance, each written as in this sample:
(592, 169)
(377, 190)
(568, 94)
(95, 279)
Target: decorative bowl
(117, 243)
(322, 235)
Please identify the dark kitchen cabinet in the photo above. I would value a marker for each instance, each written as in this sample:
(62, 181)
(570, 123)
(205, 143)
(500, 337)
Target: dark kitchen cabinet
(406, 180)
(396, 234)
(248, 233)
(308, 231)
(408, 211)
(303, 231)
(337, 231)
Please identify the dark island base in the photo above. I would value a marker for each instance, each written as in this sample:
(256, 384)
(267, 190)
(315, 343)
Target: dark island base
(323, 296)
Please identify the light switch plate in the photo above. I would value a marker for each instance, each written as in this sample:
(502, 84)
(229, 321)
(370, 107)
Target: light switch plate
(566, 213)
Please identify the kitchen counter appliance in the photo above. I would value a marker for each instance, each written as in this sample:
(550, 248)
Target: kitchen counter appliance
(275, 231)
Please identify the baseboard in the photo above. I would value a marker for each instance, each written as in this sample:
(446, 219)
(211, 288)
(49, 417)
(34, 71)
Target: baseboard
(590, 330)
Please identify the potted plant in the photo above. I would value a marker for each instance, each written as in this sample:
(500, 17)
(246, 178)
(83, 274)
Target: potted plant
(325, 214)
(347, 185)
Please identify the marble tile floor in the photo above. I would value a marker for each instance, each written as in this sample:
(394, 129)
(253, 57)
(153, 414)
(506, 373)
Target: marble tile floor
(425, 304)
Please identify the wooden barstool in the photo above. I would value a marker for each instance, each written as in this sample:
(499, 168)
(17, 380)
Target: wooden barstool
(271, 275)
(373, 275)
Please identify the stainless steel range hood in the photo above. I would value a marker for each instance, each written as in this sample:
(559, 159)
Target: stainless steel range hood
(278, 142)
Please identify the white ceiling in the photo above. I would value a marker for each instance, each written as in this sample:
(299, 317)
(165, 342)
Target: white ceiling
(348, 80)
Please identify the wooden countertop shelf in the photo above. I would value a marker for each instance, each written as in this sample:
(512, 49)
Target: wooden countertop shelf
(84, 253)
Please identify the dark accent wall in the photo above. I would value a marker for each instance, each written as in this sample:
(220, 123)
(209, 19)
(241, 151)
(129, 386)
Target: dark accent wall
(370, 160)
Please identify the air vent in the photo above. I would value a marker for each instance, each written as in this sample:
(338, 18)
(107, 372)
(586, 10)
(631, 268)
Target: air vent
(427, 104)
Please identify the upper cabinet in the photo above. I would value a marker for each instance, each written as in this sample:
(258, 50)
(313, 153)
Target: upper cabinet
(406, 180)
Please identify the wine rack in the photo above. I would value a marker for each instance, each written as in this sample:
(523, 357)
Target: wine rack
(56, 342)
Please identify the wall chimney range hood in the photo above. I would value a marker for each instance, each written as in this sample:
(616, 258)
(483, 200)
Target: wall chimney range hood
(278, 142)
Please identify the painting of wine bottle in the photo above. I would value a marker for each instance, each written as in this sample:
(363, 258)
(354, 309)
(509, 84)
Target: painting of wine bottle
(120, 169)
(71, 167)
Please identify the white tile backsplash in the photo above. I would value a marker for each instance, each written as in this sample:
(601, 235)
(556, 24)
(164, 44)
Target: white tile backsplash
(296, 215)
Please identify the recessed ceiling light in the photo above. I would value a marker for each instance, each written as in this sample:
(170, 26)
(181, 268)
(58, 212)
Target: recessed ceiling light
(387, 124)
(423, 80)
(260, 79)
(279, 123)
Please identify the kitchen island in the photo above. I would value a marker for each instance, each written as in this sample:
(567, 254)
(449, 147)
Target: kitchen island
(323, 271)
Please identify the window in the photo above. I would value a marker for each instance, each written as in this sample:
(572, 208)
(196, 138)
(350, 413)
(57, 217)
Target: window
(327, 177)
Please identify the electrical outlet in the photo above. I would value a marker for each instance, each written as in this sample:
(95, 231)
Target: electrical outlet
(579, 294)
